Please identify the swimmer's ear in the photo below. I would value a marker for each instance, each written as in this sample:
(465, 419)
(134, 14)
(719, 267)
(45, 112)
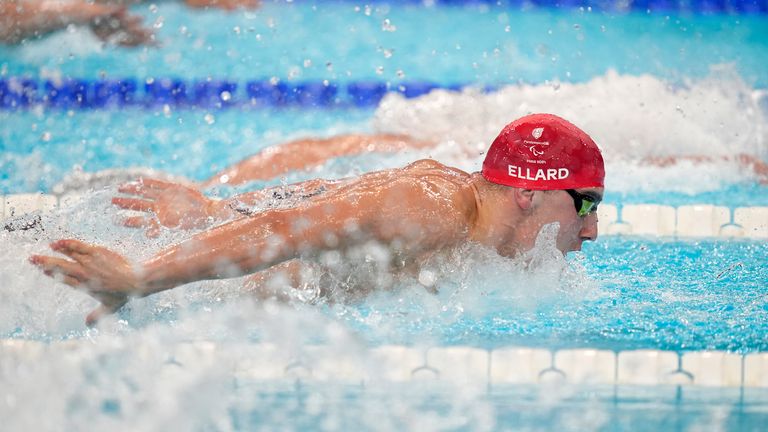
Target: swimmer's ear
(524, 198)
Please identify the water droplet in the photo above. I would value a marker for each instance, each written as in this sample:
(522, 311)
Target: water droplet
(367, 10)
(153, 8)
(507, 29)
(226, 96)
(46, 136)
(274, 80)
(577, 26)
(388, 53)
(380, 70)
(329, 66)
(159, 22)
(236, 29)
(427, 278)
(307, 63)
(167, 110)
(183, 30)
(209, 118)
(387, 26)
(400, 73)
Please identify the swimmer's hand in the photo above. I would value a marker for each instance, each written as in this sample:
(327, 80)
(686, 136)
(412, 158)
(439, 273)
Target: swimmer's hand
(117, 26)
(105, 275)
(171, 205)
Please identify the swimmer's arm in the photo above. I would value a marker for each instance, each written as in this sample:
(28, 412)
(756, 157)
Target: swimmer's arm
(247, 245)
(20, 20)
(408, 216)
(307, 153)
(23, 19)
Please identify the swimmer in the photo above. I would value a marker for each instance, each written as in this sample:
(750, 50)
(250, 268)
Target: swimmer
(24, 19)
(414, 211)
(110, 21)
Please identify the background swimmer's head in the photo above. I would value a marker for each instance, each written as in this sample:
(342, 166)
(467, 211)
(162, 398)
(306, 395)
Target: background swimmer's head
(544, 152)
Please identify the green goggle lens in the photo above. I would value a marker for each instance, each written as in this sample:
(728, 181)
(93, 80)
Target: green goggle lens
(585, 204)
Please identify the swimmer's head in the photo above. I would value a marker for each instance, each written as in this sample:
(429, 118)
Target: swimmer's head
(553, 173)
(544, 152)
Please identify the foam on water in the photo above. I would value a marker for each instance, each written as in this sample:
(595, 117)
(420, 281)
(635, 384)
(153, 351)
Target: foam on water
(632, 118)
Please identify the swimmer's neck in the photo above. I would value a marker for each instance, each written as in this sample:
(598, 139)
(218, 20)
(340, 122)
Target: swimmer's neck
(495, 216)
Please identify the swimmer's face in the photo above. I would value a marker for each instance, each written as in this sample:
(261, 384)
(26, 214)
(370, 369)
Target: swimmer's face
(559, 206)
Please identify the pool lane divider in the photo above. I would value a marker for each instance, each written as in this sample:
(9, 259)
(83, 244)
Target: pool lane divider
(703, 7)
(652, 220)
(151, 93)
(477, 368)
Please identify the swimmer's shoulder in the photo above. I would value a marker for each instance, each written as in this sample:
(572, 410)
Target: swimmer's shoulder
(442, 179)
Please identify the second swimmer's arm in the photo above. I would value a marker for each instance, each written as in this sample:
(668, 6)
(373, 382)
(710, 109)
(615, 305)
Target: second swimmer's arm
(306, 153)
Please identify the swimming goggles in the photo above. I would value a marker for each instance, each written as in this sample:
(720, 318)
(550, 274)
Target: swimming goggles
(585, 204)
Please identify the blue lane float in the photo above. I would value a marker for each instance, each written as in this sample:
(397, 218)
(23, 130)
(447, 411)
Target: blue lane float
(152, 93)
(653, 6)
(17, 92)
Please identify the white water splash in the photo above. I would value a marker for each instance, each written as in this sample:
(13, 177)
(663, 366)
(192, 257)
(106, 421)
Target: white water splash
(632, 118)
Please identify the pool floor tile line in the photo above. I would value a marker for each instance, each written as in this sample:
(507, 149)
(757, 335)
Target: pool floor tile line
(472, 368)
(700, 220)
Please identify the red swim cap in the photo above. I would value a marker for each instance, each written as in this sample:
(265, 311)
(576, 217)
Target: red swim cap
(544, 152)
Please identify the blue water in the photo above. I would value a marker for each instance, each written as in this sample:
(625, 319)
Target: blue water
(348, 41)
(343, 42)
(626, 293)
(649, 294)
(639, 294)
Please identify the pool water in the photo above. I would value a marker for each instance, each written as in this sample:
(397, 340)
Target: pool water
(643, 84)
(618, 294)
(346, 41)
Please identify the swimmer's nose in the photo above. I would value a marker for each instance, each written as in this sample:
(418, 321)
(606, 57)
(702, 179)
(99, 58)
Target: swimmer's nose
(589, 229)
